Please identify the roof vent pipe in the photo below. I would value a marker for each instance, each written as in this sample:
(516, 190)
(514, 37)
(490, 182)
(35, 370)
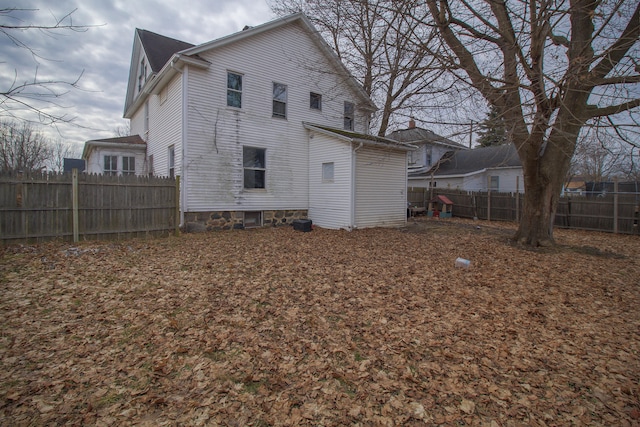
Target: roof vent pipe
(412, 123)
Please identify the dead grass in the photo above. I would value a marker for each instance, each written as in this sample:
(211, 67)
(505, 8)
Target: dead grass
(277, 327)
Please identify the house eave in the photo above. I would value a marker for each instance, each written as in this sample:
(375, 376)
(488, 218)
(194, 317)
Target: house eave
(157, 81)
(366, 102)
(463, 175)
(91, 145)
(391, 144)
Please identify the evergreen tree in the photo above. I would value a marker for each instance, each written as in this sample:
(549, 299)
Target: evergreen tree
(492, 129)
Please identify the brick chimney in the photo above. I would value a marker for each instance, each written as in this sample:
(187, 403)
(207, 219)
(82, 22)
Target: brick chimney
(412, 123)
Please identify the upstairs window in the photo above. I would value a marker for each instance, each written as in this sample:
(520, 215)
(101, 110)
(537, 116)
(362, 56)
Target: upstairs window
(110, 165)
(128, 165)
(142, 76)
(234, 90)
(279, 100)
(315, 101)
(253, 161)
(348, 115)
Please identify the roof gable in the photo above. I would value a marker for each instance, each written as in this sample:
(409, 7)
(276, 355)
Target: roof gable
(305, 23)
(159, 49)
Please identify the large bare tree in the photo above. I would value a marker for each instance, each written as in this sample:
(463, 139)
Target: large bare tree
(549, 67)
(383, 44)
(22, 147)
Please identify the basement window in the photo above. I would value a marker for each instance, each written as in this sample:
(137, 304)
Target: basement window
(252, 219)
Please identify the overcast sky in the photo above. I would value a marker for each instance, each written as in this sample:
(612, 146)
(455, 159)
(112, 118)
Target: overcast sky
(101, 55)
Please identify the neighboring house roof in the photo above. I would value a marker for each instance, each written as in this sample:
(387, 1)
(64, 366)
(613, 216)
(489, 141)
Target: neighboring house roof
(132, 142)
(466, 162)
(175, 59)
(159, 48)
(419, 136)
(362, 138)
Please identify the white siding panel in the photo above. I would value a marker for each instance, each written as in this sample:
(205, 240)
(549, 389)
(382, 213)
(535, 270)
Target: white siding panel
(381, 184)
(330, 202)
(216, 133)
(165, 128)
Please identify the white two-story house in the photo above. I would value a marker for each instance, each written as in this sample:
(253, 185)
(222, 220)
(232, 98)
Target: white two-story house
(263, 126)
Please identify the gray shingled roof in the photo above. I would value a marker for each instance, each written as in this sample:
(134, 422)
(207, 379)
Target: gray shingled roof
(418, 135)
(159, 49)
(462, 162)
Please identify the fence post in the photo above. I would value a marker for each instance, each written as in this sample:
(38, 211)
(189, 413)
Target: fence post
(74, 198)
(517, 198)
(488, 198)
(615, 205)
(176, 231)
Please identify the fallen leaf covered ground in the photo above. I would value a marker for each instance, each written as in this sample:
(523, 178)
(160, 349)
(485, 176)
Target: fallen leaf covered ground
(275, 327)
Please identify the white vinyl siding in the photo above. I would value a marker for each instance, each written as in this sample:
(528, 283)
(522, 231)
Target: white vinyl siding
(330, 202)
(216, 133)
(165, 127)
(210, 162)
(381, 183)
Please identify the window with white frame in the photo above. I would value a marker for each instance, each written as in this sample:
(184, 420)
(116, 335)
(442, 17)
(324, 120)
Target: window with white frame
(349, 109)
(172, 161)
(253, 161)
(280, 100)
(128, 165)
(142, 76)
(150, 165)
(234, 90)
(327, 172)
(110, 165)
(495, 183)
(315, 101)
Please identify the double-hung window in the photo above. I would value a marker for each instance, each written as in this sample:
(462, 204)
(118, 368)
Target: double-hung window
(253, 161)
(348, 115)
(111, 165)
(234, 90)
(315, 101)
(279, 100)
(128, 165)
(494, 182)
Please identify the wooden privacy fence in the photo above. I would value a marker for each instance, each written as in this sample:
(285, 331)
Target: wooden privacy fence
(44, 206)
(614, 212)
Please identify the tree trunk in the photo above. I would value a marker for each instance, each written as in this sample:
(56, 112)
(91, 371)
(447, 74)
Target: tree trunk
(545, 167)
(540, 204)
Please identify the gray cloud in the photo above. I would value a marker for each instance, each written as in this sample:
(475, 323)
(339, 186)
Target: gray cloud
(102, 53)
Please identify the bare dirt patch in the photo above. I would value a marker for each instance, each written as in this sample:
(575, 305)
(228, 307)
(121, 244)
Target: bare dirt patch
(277, 327)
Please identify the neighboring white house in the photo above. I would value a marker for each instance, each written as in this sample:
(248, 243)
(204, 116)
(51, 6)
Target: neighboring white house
(497, 168)
(263, 126)
(431, 146)
(116, 156)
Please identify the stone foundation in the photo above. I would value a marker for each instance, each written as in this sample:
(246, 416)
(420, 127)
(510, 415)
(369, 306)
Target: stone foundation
(227, 220)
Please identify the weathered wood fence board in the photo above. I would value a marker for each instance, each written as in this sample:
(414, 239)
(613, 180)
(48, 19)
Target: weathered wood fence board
(598, 213)
(39, 206)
